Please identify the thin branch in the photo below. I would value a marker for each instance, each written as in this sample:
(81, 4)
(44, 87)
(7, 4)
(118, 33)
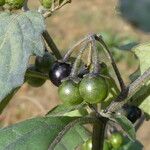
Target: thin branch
(77, 62)
(52, 44)
(50, 12)
(132, 89)
(70, 51)
(121, 82)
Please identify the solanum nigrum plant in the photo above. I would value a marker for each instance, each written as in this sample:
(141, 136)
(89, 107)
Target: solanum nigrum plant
(92, 85)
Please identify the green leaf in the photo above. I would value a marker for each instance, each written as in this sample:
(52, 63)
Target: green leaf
(38, 133)
(126, 125)
(79, 136)
(64, 108)
(131, 145)
(20, 37)
(137, 12)
(142, 97)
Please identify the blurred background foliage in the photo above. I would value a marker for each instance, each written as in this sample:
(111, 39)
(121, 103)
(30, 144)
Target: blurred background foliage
(67, 26)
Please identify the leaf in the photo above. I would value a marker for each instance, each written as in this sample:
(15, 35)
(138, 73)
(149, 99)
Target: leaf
(38, 133)
(20, 37)
(78, 134)
(142, 97)
(137, 12)
(126, 125)
(130, 145)
(64, 108)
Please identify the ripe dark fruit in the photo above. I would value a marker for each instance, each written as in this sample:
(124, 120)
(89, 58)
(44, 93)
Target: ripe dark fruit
(15, 3)
(58, 72)
(69, 92)
(133, 113)
(46, 3)
(2, 2)
(42, 64)
(116, 140)
(93, 89)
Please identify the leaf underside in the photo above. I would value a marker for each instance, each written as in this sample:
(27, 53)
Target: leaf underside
(20, 37)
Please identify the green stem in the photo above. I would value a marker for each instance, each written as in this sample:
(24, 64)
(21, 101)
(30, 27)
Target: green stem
(117, 72)
(98, 135)
(77, 62)
(51, 44)
(95, 60)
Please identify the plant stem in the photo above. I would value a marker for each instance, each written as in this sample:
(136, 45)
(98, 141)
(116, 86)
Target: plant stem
(51, 44)
(121, 82)
(129, 91)
(98, 135)
(76, 65)
(49, 12)
(70, 51)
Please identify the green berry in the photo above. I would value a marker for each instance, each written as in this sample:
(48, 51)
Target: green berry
(93, 89)
(116, 140)
(87, 145)
(69, 92)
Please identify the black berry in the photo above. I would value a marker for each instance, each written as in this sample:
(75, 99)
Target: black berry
(58, 72)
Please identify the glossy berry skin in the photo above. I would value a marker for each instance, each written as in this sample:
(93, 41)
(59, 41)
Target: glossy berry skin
(58, 72)
(116, 140)
(68, 92)
(15, 3)
(43, 64)
(46, 3)
(133, 113)
(93, 89)
(2, 2)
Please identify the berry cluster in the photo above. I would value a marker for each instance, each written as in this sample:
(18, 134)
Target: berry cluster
(114, 142)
